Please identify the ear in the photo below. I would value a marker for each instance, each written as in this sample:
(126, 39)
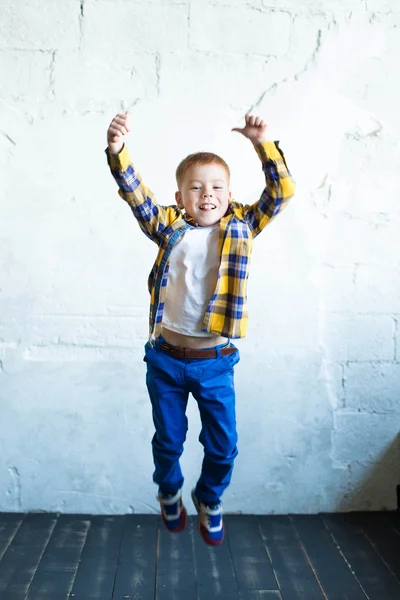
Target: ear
(229, 196)
(178, 199)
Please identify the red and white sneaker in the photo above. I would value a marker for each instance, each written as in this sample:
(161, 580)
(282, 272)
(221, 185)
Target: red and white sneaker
(172, 511)
(210, 522)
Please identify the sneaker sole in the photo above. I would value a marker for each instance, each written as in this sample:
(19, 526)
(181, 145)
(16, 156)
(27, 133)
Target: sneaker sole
(209, 541)
(180, 527)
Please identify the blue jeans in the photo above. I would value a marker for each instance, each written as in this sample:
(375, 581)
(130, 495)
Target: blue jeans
(211, 382)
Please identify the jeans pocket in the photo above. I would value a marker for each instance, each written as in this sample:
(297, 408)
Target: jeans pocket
(232, 359)
(222, 365)
(147, 351)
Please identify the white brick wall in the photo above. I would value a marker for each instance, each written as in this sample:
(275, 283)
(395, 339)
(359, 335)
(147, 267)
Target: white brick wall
(318, 390)
(87, 82)
(27, 73)
(238, 30)
(373, 387)
(135, 27)
(39, 25)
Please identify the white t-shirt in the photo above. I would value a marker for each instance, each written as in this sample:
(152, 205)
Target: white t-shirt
(192, 278)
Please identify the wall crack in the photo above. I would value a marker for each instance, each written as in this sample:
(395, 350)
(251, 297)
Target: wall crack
(158, 64)
(313, 57)
(81, 17)
(52, 79)
(311, 60)
(16, 477)
(5, 134)
(396, 326)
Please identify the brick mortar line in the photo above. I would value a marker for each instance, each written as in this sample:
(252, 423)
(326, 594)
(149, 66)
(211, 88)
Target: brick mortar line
(369, 362)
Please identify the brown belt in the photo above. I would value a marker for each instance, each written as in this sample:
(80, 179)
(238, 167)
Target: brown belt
(181, 352)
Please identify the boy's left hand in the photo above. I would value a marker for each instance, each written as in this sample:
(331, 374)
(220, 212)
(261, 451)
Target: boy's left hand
(255, 129)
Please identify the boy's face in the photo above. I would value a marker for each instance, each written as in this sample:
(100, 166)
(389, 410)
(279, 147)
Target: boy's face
(204, 193)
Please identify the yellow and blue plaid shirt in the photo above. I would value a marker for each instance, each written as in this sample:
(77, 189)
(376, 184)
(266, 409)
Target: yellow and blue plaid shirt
(227, 312)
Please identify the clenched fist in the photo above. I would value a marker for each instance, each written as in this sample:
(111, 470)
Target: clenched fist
(119, 126)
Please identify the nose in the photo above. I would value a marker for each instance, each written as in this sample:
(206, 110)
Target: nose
(207, 195)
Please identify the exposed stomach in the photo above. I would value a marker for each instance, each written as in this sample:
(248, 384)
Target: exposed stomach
(190, 341)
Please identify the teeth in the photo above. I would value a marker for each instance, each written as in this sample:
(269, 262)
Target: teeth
(207, 206)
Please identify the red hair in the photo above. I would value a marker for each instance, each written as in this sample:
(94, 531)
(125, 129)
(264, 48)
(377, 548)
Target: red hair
(199, 158)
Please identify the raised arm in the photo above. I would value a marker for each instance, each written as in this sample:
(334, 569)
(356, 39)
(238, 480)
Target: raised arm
(152, 218)
(279, 185)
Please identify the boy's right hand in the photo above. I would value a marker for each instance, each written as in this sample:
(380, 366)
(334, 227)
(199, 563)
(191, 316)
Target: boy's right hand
(119, 126)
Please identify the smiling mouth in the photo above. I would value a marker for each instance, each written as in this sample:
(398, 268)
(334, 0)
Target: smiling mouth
(207, 207)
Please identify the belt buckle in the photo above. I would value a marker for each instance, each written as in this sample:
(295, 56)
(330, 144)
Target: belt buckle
(182, 352)
(178, 351)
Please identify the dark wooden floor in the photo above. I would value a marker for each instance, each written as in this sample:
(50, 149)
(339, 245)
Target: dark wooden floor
(81, 557)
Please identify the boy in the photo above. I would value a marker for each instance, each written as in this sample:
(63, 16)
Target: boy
(198, 303)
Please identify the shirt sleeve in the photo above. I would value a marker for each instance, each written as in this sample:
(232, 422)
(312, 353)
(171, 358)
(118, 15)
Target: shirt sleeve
(153, 219)
(279, 188)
